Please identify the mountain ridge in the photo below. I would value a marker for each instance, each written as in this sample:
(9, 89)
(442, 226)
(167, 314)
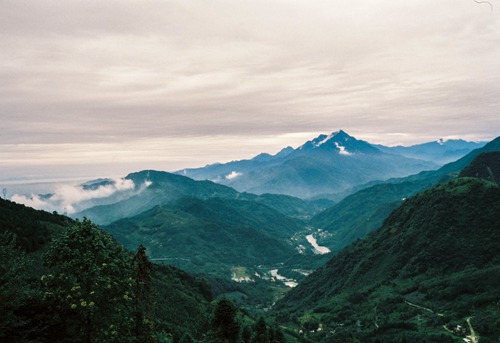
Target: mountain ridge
(326, 164)
(441, 151)
(418, 265)
(365, 210)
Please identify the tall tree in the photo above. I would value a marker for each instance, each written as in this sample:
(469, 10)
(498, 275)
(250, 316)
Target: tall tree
(93, 279)
(246, 334)
(143, 297)
(15, 288)
(260, 332)
(225, 324)
(278, 336)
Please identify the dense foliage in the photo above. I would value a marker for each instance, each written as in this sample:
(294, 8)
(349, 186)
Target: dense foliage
(433, 264)
(195, 236)
(486, 165)
(80, 285)
(33, 229)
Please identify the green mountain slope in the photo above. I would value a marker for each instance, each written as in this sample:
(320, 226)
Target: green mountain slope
(210, 236)
(29, 314)
(291, 206)
(434, 263)
(156, 188)
(486, 166)
(243, 213)
(365, 210)
(34, 229)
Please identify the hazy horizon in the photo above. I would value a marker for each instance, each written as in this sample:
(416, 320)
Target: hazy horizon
(72, 175)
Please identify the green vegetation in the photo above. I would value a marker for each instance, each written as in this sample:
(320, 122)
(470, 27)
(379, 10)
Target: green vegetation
(365, 210)
(210, 236)
(231, 326)
(80, 285)
(433, 264)
(216, 239)
(431, 272)
(33, 229)
(360, 213)
(156, 188)
(486, 166)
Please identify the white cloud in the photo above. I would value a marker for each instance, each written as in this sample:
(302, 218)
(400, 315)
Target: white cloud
(34, 201)
(233, 175)
(342, 150)
(68, 195)
(69, 199)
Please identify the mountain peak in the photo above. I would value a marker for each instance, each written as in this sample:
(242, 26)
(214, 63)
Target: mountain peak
(340, 142)
(322, 139)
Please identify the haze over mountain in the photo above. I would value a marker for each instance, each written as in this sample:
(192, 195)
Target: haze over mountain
(183, 84)
(441, 151)
(365, 210)
(327, 164)
(253, 248)
(287, 170)
(156, 188)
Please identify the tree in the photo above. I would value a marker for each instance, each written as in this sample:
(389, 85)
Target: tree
(278, 336)
(143, 297)
(225, 325)
(261, 334)
(93, 280)
(186, 338)
(246, 334)
(15, 288)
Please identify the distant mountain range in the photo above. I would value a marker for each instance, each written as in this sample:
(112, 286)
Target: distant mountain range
(328, 164)
(365, 210)
(156, 188)
(441, 151)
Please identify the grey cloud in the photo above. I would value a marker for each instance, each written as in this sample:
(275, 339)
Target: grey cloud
(127, 71)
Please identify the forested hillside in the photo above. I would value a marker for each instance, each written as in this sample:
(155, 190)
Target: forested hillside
(433, 266)
(67, 281)
(414, 279)
(485, 165)
(365, 210)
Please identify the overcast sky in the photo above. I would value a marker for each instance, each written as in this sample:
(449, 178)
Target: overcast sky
(109, 87)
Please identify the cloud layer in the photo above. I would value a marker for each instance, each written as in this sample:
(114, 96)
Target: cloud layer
(175, 84)
(70, 199)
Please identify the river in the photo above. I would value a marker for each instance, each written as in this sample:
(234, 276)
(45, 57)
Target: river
(317, 249)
